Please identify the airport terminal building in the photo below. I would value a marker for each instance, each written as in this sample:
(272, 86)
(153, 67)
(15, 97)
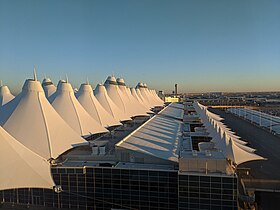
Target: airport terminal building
(166, 161)
(115, 147)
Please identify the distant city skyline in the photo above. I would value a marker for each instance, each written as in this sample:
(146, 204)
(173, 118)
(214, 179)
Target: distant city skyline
(203, 46)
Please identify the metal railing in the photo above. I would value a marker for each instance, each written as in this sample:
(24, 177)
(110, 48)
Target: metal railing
(261, 185)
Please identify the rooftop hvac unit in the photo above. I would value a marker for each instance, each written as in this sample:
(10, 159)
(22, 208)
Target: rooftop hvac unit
(203, 146)
(199, 129)
(208, 153)
(102, 150)
(194, 153)
(94, 150)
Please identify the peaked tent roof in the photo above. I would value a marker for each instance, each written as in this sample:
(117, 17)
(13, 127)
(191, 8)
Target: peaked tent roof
(137, 97)
(87, 99)
(145, 94)
(117, 96)
(20, 167)
(152, 98)
(5, 95)
(236, 152)
(239, 155)
(69, 108)
(136, 108)
(48, 87)
(33, 121)
(153, 92)
(101, 95)
(144, 99)
(132, 93)
(208, 124)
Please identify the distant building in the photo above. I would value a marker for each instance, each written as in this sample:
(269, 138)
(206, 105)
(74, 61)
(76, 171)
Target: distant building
(161, 94)
(171, 99)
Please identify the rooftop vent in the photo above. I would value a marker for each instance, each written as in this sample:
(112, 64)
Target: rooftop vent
(208, 153)
(95, 150)
(194, 153)
(102, 150)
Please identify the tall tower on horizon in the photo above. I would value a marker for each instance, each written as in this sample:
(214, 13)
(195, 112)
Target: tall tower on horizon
(176, 89)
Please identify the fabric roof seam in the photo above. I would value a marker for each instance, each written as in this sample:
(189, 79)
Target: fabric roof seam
(16, 145)
(35, 114)
(154, 147)
(119, 143)
(91, 100)
(102, 95)
(46, 126)
(110, 107)
(117, 91)
(91, 104)
(131, 104)
(77, 115)
(72, 112)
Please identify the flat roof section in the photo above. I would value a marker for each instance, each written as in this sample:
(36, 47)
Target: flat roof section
(177, 105)
(159, 137)
(174, 110)
(144, 166)
(203, 155)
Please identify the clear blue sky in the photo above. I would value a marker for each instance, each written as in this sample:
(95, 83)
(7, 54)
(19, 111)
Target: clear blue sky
(203, 45)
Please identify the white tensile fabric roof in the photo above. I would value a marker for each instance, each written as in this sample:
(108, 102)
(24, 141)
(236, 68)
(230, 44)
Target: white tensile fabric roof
(238, 154)
(48, 87)
(118, 97)
(138, 100)
(149, 95)
(220, 137)
(137, 97)
(101, 95)
(159, 137)
(87, 99)
(154, 100)
(33, 121)
(69, 108)
(145, 94)
(156, 97)
(20, 167)
(5, 95)
(144, 100)
(231, 146)
(136, 108)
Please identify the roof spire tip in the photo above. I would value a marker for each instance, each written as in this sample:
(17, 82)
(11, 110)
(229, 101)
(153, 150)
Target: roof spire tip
(34, 73)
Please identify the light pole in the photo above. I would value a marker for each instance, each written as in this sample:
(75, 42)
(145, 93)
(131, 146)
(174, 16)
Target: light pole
(270, 123)
(260, 117)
